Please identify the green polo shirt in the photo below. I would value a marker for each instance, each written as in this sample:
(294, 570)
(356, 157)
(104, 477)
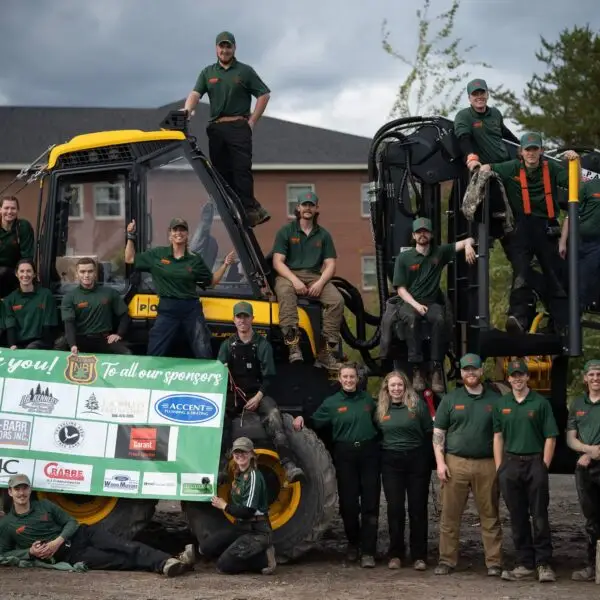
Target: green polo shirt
(44, 522)
(29, 312)
(486, 131)
(230, 90)
(420, 274)
(584, 418)
(93, 310)
(301, 251)
(589, 210)
(524, 426)
(350, 416)
(509, 172)
(467, 420)
(405, 429)
(16, 243)
(174, 277)
(250, 490)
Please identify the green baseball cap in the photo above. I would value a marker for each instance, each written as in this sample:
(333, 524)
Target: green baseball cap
(476, 84)
(471, 360)
(531, 140)
(422, 223)
(19, 479)
(226, 36)
(591, 365)
(517, 366)
(178, 222)
(310, 197)
(243, 308)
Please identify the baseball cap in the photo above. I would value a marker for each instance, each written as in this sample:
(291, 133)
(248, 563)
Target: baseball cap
(470, 360)
(476, 84)
(226, 36)
(178, 222)
(422, 223)
(19, 479)
(243, 443)
(517, 366)
(308, 197)
(591, 365)
(243, 308)
(531, 140)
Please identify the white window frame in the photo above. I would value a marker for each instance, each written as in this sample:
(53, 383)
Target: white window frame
(365, 200)
(80, 193)
(292, 197)
(121, 214)
(363, 260)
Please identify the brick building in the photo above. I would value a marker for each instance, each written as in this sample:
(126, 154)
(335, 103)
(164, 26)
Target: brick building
(288, 158)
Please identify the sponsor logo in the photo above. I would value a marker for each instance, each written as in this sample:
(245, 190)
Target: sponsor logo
(9, 466)
(14, 432)
(197, 484)
(160, 484)
(186, 408)
(69, 435)
(142, 443)
(63, 476)
(121, 481)
(54, 470)
(115, 408)
(39, 400)
(81, 369)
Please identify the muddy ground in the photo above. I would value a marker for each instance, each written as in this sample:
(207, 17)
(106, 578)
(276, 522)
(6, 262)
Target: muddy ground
(323, 574)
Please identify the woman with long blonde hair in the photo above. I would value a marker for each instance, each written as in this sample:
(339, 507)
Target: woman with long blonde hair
(406, 427)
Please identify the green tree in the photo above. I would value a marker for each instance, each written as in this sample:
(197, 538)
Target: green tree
(562, 103)
(439, 67)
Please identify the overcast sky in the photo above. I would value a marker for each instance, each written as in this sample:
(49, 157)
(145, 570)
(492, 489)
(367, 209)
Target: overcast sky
(322, 59)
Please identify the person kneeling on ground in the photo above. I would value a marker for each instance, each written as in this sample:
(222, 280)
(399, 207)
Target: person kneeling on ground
(249, 357)
(40, 530)
(247, 545)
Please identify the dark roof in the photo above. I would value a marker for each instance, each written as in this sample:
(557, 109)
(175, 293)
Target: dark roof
(25, 132)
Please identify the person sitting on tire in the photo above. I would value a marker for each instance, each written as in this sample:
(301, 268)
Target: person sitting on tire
(406, 427)
(305, 258)
(356, 456)
(88, 313)
(39, 530)
(247, 546)
(31, 313)
(249, 357)
(417, 275)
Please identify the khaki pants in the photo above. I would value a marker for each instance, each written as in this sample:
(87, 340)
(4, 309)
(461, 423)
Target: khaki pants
(478, 475)
(331, 299)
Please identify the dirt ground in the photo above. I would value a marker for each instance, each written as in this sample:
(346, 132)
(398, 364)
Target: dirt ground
(323, 574)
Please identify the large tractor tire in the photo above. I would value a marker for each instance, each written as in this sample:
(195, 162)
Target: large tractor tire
(299, 513)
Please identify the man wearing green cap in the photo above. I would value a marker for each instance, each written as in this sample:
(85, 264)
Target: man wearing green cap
(583, 436)
(531, 185)
(230, 86)
(524, 441)
(249, 357)
(463, 445)
(304, 257)
(417, 276)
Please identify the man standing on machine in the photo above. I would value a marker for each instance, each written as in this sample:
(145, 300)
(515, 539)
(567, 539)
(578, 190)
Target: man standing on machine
(531, 185)
(230, 86)
(417, 276)
(249, 357)
(305, 259)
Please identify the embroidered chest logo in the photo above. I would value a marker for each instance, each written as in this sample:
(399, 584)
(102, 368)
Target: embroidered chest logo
(17, 307)
(581, 413)
(83, 305)
(387, 418)
(213, 80)
(165, 261)
(478, 124)
(459, 407)
(414, 267)
(506, 411)
(318, 244)
(294, 240)
(342, 409)
(20, 529)
(531, 414)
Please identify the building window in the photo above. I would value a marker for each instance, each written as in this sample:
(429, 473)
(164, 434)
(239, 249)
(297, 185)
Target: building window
(369, 272)
(75, 197)
(293, 191)
(109, 201)
(365, 204)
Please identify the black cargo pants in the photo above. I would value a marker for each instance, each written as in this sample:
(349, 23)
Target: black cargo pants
(587, 480)
(414, 338)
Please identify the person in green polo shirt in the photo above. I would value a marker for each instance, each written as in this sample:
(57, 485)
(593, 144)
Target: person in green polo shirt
(525, 434)
(405, 425)
(463, 445)
(583, 436)
(89, 312)
(305, 259)
(31, 313)
(16, 242)
(531, 185)
(176, 274)
(417, 276)
(230, 86)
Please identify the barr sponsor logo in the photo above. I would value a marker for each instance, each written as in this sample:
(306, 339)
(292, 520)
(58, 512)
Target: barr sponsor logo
(81, 369)
(142, 443)
(186, 408)
(39, 400)
(14, 432)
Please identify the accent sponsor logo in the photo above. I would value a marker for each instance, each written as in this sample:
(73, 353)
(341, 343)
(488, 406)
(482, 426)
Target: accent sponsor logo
(186, 408)
(15, 432)
(126, 482)
(56, 475)
(143, 442)
(69, 435)
(39, 400)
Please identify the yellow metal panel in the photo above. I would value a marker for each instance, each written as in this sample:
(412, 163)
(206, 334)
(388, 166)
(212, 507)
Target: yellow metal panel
(110, 138)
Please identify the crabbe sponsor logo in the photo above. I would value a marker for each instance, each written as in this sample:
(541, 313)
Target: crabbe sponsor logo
(62, 476)
(186, 408)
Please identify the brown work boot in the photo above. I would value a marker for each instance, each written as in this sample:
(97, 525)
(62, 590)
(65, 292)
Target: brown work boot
(292, 341)
(327, 359)
(257, 216)
(418, 380)
(437, 380)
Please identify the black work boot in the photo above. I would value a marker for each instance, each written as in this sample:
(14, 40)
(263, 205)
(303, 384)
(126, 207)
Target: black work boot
(437, 379)
(418, 380)
(257, 216)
